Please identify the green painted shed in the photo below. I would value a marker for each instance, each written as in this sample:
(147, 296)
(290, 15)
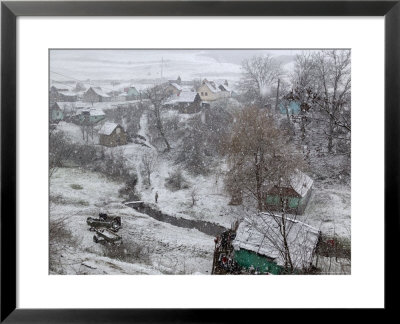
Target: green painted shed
(55, 114)
(259, 244)
(90, 115)
(294, 194)
(133, 93)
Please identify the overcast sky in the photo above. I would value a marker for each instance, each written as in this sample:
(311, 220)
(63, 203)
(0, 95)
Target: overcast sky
(149, 64)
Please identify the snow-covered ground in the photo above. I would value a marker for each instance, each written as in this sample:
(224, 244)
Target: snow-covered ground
(329, 209)
(157, 247)
(161, 247)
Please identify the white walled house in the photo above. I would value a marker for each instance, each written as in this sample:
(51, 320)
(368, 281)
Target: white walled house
(211, 90)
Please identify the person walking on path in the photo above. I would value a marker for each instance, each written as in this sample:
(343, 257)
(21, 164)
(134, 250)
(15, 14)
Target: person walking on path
(156, 197)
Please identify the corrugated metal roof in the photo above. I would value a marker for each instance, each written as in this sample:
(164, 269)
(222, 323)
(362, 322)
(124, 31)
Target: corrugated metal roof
(262, 234)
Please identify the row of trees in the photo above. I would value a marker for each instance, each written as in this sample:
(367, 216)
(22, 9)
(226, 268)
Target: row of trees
(320, 83)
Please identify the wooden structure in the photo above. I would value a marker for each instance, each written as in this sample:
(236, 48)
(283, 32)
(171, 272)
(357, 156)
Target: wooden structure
(187, 102)
(95, 94)
(223, 262)
(55, 114)
(89, 116)
(173, 88)
(293, 194)
(112, 134)
(259, 244)
(132, 93)
(60, 94)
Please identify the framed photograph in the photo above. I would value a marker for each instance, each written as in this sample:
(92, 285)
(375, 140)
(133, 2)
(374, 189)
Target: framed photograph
(147, 145)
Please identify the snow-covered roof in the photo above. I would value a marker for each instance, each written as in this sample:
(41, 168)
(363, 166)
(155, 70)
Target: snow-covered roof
(301, 183)
(212, 86)
(96, 112)
(67, 93)
(183, 97)
(91, 111)
(298, 181)
(262, 234)
(225, 87)
(177, 86)
(108, 128)
(99, 92)
(60, 86)
(216, 86)
(56, 106)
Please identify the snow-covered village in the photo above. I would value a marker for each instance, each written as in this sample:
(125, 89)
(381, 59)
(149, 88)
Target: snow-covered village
(213, 162)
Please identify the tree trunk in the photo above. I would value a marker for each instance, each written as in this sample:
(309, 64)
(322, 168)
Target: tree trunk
(288, 259)
(258, 181)
(330, 138)
(160, 128)
(277, 97)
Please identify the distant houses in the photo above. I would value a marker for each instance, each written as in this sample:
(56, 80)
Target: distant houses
(211, 90)
(89, 116)
(186, 102)
(112, 134)
(132, 93)
(60, 93)
(96, 94)
(55, 113)
(174, 88)
(294, 193)
(289, 107)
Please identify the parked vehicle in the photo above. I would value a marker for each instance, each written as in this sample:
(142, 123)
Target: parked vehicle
(104, 221)
(106, 236)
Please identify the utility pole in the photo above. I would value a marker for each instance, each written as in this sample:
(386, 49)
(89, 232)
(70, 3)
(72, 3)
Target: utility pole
(162, 62)
(277, 97)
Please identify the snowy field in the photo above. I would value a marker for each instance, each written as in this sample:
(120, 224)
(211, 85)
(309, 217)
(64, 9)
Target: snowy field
(157, 248)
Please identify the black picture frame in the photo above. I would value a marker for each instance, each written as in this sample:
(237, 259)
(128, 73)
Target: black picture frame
(9, 13)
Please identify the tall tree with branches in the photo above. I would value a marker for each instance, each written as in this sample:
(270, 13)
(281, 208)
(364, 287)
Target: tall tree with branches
(260, 76)
(157, 96)
(258, 152)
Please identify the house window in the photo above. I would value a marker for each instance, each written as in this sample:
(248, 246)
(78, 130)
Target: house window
(206, 94)
(202, 93)
(118, 130)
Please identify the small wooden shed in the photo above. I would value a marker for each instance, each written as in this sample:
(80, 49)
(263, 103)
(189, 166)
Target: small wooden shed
(96, 94)
(112, 134)
(258, 245)
(132, 93)
(186, 102)
(56, 113)
(295, 193)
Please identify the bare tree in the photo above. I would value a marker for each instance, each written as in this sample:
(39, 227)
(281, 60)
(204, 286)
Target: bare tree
(148, 164)
(194, 196)
(334, 76)
(322, 87)
(260, 75)
(258, 152)
(60, 150)
(157, 96)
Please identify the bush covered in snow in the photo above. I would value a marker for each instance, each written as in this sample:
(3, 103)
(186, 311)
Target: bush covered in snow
(176, 181)
(129, 190)
(61, 241)
(127, 252)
